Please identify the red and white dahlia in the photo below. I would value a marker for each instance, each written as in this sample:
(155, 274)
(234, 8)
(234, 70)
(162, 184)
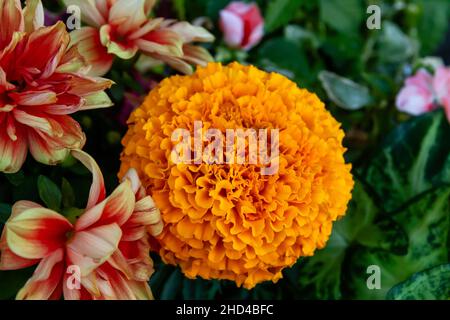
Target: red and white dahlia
(123, 28)
(42, 81)
(108, 244)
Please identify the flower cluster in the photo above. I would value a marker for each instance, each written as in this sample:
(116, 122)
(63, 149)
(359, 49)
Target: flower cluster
(107, 243)
(122, 28)
(42, 81)
(424, 92)
(228, 221)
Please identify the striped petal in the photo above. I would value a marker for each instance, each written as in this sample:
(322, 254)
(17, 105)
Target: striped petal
(91, 248)
(13, 148)
(45, 284)
(36, 232)
(97, 192)
(117, 208)
(88, 42)
(11, 20)
(90, 12)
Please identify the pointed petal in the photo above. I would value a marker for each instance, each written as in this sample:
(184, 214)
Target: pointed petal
(33, 15)
(36, 232)
(97, 101)
(11, 20)
(45, 48)
(88, 42)
(33, 98)
(131, 12)
(91, 248)
(90, 13)
(97, 193)
(196, 55)
(161, 41)
(191, 33)
(46, 281)
(122, 50)
(12, 153)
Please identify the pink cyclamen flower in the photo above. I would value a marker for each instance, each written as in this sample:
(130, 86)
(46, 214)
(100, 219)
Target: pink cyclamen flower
(441, 85)
(242, 25)
(424, 92)
(103, 254)
(121, 28)
(417, 97)
(42, 82)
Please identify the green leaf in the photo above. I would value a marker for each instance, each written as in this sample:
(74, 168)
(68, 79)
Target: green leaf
(431, 284)
(413, 160)
(68, 194)
(172, 286)
(280, 12)
(200, 289)
(322, 275)
(180, 8)
(426, 222)
(346, 93)
(344, 16)
(16, 179)
(393, 46)
(5, 212)
(285, 57)
(433, 24)
(298, 34)
(49, 193)
(213, 8)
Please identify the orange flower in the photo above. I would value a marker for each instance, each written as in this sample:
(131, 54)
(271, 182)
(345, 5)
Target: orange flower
(42, 81)
(122, 28)
(107, 244)
(227, 221)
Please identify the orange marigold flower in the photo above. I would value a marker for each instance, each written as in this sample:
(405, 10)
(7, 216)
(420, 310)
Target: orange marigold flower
(227, 221)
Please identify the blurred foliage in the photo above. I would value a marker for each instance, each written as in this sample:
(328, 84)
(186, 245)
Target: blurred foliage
(399, 216)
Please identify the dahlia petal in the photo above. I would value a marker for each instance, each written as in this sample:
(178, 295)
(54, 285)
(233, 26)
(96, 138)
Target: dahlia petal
(97, 101)
(176, 63)
(11, 19)
(46, 281)
(85, 86)
(161, 41)
(12, 153)
(36, 232)
(232, 27)
(34, 98)
(4, 84)
(191, 33)
(44, 269)
(33, 15)
(11, 261)
(122, 51)
(196, 55)
(97, 192)
(132, 10)
(91, 248)
(133, 177)
(119, 262)
(146, 28)
(119, 205)
(91, 15)
(44, 149)
(7, 54)
(88, 42)
(45, 48)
